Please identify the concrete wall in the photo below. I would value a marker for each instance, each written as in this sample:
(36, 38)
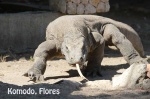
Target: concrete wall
(21, 32)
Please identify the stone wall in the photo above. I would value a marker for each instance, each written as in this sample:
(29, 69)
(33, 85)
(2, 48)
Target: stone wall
(80, 6)
(22, 32)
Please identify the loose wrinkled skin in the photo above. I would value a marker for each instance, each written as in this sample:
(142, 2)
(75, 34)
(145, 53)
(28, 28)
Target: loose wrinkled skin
(82, 38)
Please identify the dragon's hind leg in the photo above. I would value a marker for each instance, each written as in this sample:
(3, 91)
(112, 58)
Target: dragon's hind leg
(113, 36)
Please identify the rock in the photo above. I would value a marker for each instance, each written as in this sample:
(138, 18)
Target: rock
(148, 69)
(146, 84)
(148, 74)
(90, 9)
(148, 59)
(94, 2)
(76, 1)
(103, 7)
(107, 6)
(80, 9)
(71, 8)
(62, 6)
(104, 0)
(84, 1)
(132, 77)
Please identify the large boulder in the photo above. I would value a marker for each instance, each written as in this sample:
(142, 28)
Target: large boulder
(133, 77)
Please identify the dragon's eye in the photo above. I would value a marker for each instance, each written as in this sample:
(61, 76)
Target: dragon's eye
(67, 49)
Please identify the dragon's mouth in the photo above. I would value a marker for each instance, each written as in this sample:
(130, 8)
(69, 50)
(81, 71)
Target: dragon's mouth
(74, 64)
(82, 67)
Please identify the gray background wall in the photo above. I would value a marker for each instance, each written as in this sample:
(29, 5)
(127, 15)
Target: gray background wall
(21, 32)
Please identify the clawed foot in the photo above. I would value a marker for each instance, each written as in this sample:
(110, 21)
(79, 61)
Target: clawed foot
(36, 77)
(94, 72)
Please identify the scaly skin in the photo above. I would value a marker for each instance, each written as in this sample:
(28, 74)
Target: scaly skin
(81, 38)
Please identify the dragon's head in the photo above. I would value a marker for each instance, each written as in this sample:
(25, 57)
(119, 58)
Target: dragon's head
(75, 49)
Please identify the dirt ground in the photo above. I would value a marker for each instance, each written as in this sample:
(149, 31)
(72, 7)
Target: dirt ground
(59, 75)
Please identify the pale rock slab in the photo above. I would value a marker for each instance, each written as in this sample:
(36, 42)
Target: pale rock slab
(130, 77)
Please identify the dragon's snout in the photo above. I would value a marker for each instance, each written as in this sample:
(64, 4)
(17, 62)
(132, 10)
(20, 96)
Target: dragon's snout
(74, 60)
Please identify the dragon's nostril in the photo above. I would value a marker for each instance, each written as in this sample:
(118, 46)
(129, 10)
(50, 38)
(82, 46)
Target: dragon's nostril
(31, 74)
(81, 59)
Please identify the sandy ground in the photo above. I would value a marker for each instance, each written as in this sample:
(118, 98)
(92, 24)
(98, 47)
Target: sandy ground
(59, 75)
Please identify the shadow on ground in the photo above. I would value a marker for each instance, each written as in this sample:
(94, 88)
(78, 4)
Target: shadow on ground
(108, 72)
(67, 91)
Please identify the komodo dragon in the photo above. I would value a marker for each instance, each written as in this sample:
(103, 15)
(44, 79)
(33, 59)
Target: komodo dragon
(81, 38)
